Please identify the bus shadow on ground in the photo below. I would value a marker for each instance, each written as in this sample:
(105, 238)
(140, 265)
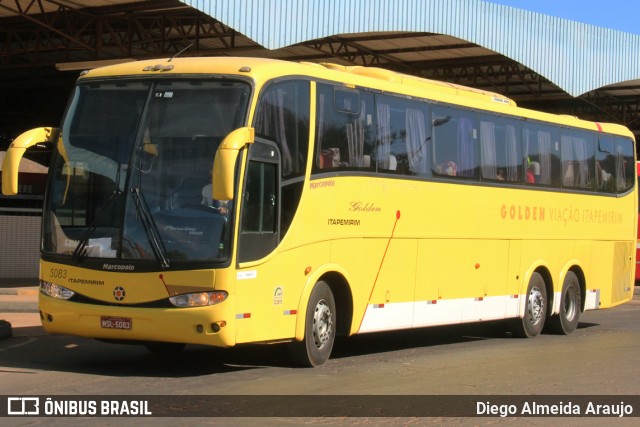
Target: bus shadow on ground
(434, 336)
(86, 356)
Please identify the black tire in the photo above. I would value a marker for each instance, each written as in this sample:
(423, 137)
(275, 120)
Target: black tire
(567, 320)
(535, 313)
(319, 329)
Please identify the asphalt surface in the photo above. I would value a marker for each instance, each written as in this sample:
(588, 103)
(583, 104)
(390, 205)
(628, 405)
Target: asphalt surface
(19, 308)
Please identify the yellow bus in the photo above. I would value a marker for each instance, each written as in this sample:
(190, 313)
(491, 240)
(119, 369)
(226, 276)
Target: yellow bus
(222, 201)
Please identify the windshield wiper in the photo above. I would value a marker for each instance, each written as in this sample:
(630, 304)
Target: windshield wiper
(82, 244)
(150, 227)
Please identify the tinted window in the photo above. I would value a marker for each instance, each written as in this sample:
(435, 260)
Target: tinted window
(625, 166)
(345, 132)
(501, 150)
(260, 196)
(578, 164)
(455, 145)
(615, 168)
(605, 165)
(282, 116)
(402, 135)
(259, 215)
(541, 151)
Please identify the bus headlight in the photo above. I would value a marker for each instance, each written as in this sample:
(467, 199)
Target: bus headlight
(55, 291)
(198, 299)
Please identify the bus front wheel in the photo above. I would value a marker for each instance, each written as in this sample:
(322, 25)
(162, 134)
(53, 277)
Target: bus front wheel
(531, 324)
(319, 329)
(567, 320)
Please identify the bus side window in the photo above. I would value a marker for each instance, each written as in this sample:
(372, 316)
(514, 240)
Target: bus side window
(541, 155)
(282, 116)
(500, 149)
(416, 135)
(615, 168)
(605, 165)
(344, 129)
(625, 166)
(455, 151)
(578, 164)
(402, 135)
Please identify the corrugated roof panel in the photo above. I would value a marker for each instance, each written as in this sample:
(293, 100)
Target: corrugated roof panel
(575, 56)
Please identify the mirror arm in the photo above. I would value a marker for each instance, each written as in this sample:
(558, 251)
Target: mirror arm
(17, 148)
(224, 165)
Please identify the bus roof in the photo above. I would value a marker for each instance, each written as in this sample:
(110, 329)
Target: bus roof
(263, 69)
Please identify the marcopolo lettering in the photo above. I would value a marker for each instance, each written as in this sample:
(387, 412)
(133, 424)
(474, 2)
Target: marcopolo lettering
(118, 267)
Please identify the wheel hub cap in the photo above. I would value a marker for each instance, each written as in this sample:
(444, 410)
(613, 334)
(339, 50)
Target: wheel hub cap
(322, 324)
(535, 306)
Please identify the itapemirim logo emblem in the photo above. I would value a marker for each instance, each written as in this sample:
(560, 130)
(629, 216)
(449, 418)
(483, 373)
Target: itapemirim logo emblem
(119, 293)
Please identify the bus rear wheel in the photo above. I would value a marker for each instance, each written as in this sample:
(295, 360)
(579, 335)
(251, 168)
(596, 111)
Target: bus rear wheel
(567, 320)
(319, 329)
(531, 324)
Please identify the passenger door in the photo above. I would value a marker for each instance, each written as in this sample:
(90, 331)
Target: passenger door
(259, 221)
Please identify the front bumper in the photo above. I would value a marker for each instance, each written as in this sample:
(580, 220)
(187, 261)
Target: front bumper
(210, 325)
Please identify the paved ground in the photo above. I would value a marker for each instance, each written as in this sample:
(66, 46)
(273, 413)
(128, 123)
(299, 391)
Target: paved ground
(19, 308)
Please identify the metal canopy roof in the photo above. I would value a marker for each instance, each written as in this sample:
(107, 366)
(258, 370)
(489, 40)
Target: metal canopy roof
(13, 8)
(575, 56)
(540, 61)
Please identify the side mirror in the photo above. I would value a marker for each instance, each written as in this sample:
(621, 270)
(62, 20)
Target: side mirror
(11, 163)
(224, 165)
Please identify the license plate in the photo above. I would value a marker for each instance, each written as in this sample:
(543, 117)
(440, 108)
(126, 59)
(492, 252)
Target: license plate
(109, 322)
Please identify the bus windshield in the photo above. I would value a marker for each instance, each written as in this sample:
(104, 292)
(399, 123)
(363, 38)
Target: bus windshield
(131, 178)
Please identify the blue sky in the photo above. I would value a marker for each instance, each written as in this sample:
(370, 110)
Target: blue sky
(623, 15)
